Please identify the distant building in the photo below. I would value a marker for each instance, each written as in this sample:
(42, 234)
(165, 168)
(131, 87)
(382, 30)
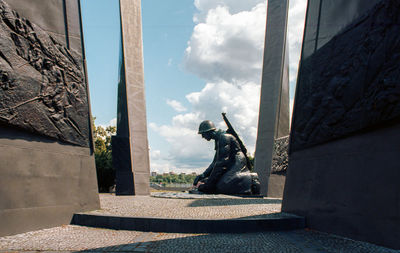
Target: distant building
(153, 174)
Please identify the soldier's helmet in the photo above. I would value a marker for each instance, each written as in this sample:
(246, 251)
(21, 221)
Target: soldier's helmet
(206, 126)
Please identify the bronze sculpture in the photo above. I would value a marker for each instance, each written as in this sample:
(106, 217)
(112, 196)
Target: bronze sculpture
(229, 171)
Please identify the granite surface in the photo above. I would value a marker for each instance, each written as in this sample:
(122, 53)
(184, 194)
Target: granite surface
(222, 207)
(42, 86)
(273, 121)
(352, 82)
(131, 25)
(70, 238)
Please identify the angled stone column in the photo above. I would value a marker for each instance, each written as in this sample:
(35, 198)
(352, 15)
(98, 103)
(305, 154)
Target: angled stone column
(274, 102)
(130, 146)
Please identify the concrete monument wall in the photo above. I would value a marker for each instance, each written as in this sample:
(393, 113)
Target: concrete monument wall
(274, 102)
(344, 145)
(47, 169)
(130, 146)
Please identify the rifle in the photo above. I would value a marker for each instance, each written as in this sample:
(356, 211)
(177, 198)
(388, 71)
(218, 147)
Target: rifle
(242, 147)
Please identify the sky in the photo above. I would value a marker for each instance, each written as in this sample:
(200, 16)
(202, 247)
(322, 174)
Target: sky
(201, 58)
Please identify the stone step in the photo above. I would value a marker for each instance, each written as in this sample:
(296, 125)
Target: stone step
(268, 222)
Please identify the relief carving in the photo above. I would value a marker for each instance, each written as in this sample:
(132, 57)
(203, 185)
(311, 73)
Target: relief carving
(42, 86)
(352, 82)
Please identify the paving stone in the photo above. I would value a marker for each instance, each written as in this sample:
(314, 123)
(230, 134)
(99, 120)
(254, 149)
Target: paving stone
(211, 207)
(70, 238)
(75, 238)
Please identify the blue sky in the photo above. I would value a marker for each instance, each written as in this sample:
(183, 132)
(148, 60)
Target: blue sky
(201, 57)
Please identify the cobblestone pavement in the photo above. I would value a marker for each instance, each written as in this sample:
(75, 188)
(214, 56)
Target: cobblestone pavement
(205, 208)
(71, 238)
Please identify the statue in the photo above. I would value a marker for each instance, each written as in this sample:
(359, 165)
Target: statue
(229, 171)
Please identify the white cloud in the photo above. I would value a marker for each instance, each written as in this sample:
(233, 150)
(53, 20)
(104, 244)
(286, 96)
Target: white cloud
(113, 122)
(187, 148)
(297, 10)
(177, 106)
(240, 102)
(225, 49)
(155, 154)
(227, 46)
(234, 6)
(170, 60)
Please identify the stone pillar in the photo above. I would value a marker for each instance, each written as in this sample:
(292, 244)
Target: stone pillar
(47, 167)
(274, 102)
(131, 157)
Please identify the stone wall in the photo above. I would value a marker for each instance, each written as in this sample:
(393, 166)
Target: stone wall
(47, 169)
(350, 83)
(343, 169)
(42, 88)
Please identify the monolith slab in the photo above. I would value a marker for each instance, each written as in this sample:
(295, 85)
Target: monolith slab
(47, 169)
(343, 163)
(274, 102)
(133, 169)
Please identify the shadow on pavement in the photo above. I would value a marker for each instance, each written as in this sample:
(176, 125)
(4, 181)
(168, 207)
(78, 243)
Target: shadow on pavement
(271, 242)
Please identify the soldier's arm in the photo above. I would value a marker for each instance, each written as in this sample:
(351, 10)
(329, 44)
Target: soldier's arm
(221, 161)
(206, 173)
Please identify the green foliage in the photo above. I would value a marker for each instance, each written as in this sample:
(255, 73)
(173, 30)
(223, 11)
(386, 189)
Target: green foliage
(173, 179)
(251, 159)
(103, 157)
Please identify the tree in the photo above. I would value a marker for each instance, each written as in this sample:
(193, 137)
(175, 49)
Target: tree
(103, 157)
(251, 159)
(179, 179)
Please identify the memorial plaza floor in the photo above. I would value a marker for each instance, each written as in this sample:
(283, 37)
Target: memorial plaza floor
(73, 238)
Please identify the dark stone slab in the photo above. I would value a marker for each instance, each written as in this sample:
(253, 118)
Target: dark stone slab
(271, 222)
(42, 88)
(349, 186)
(343, 169)
(42, 181)
(123, 166)
(351, 82)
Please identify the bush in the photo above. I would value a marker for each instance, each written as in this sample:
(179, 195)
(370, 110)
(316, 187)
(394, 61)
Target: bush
(103, 157)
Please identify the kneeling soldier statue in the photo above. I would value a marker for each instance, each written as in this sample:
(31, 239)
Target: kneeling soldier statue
(229, 171)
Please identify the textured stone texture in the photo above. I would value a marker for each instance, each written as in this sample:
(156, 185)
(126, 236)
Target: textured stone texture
(279, 167)
(274, 102)
(349, 187)
(215, 208)
(43, 105)
(42, 87)
(347, 102)
(75, 238)
(136, 106)
(352, 82)
(121, 157)
(43, 182)
(280, 157)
